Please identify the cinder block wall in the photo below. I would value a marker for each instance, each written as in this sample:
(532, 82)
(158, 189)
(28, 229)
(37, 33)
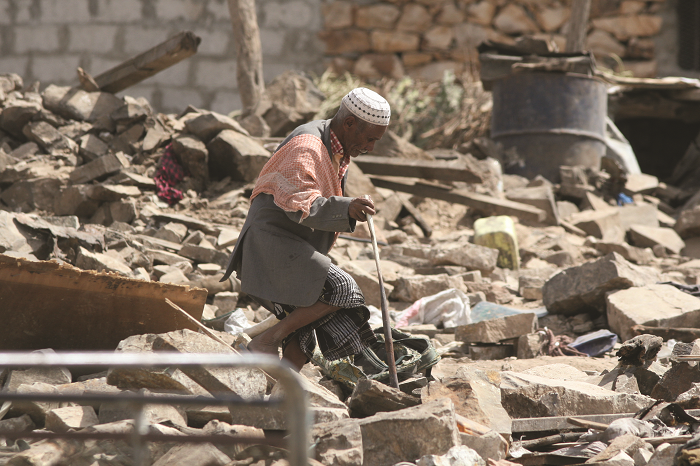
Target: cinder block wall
(46, 40)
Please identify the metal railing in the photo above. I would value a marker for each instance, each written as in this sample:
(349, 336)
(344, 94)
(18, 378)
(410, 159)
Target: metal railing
(294, 401)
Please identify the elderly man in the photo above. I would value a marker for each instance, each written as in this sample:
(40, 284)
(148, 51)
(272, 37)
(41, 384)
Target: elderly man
(297, 209)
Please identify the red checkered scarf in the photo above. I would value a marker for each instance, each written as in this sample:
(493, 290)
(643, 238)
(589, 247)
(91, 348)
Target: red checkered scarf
(300, 172)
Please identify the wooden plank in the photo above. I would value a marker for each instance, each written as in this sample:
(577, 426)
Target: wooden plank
(578, 26)
(455, 170)
(415, 213)
(480, 202)
(150, 62)
(45, 304)
(544, 424)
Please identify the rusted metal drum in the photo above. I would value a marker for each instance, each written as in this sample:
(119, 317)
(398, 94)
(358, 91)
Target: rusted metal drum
(545, 120)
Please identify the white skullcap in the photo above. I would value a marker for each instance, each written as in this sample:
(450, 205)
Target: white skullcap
(369, 106)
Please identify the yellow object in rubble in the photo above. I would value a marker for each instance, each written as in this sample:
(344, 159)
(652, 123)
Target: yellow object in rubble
(499, 233)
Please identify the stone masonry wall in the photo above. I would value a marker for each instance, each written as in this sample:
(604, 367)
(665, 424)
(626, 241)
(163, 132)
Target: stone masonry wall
(423, 38)
(47, 40)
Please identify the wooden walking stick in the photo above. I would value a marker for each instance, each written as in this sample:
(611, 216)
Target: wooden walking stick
(385, 311)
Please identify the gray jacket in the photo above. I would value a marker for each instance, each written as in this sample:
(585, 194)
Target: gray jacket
(281, 260)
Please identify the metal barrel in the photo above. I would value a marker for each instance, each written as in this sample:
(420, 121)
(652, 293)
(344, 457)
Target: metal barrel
(551, 119)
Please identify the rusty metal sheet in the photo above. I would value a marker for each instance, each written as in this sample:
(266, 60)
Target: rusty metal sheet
(50, 305)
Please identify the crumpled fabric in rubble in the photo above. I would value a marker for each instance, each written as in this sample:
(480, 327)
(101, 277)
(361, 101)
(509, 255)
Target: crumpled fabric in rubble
(168, 175)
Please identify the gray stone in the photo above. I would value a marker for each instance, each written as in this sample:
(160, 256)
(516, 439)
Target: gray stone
(236, 155)
(371, 397)
(633, 254)
(665, 455)
(639, 214)
(74, 200)
(216, 427)
(460, 455)
(688, 223)
(388, 438)
(525, 395)
(648, 237)
(603, 224)
(490, 445)
(495, 330)
(87, 260)
(319, 396)
(368, 283)
(465, 254)
(112, 192)
(51, 376)
(541, 197)
(193, 455)
(172, 231)
(690, 399)
(153, 413)
(76, 104)
(583, 288)
(28, 195)
(651, 305)
(490, 352)
(649, 375)
(680, 378)
(194, 157)
(74, 417)
(410, 289)
(23, 423)
(16, 114)
(250, 384)
(207, 125)
(203, 254)
(11, 239)
(35, 409)
(530, 346)
(50, 139)
(99, 168)
(475, 397)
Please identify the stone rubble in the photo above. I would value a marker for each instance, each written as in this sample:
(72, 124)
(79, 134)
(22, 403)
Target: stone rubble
(77, 187)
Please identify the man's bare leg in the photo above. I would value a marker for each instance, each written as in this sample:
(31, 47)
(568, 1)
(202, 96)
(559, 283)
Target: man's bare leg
(270, 340)
(294, 354)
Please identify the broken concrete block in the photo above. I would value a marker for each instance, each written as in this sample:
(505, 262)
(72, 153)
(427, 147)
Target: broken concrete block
(35, 409)
(639, 214)
(98, 168)
(16, 114)
(583, 288)
(172, 231)
(76, 104)
(411, 289)
(87, 260)
(389, 438)
(665, 455)
(640, 183)
(499, 233)
(530, 346)
(249, 384)
(475, 397)
(490, 445)
(526, 395)
(226, 301)
(368, 283)
(23, 423)
(112, 192)
(652, 305)
(680, 378)
(371, 397)
(207, 125)
(73, 417)
(603, 224)
(688, 223)
(193, 455)
(153, 413)
(486, 352)
(530, 287)
(50, 139)
(27, 195)
(637, 255)
(75, 200)
(193, 155)
(176, 277)
(495, 330)
(92, 147)
(51, 376)
(204, 254)
(541, 197)
(648, 237)
(236, 155)
(464, 254)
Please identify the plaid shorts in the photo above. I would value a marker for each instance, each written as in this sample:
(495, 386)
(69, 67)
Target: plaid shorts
(344, 332)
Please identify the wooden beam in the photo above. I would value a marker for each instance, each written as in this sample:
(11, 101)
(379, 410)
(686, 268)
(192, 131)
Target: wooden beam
(249, 62)
(480, 202)
(578, 26)
(148, 63)
(458, 170)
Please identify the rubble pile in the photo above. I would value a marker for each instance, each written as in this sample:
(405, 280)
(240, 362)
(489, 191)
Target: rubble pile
(513, 304)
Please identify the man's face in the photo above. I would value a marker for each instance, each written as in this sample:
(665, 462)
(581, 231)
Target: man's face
(360, 136)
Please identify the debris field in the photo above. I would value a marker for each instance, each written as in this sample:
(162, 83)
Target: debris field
(564, 326)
